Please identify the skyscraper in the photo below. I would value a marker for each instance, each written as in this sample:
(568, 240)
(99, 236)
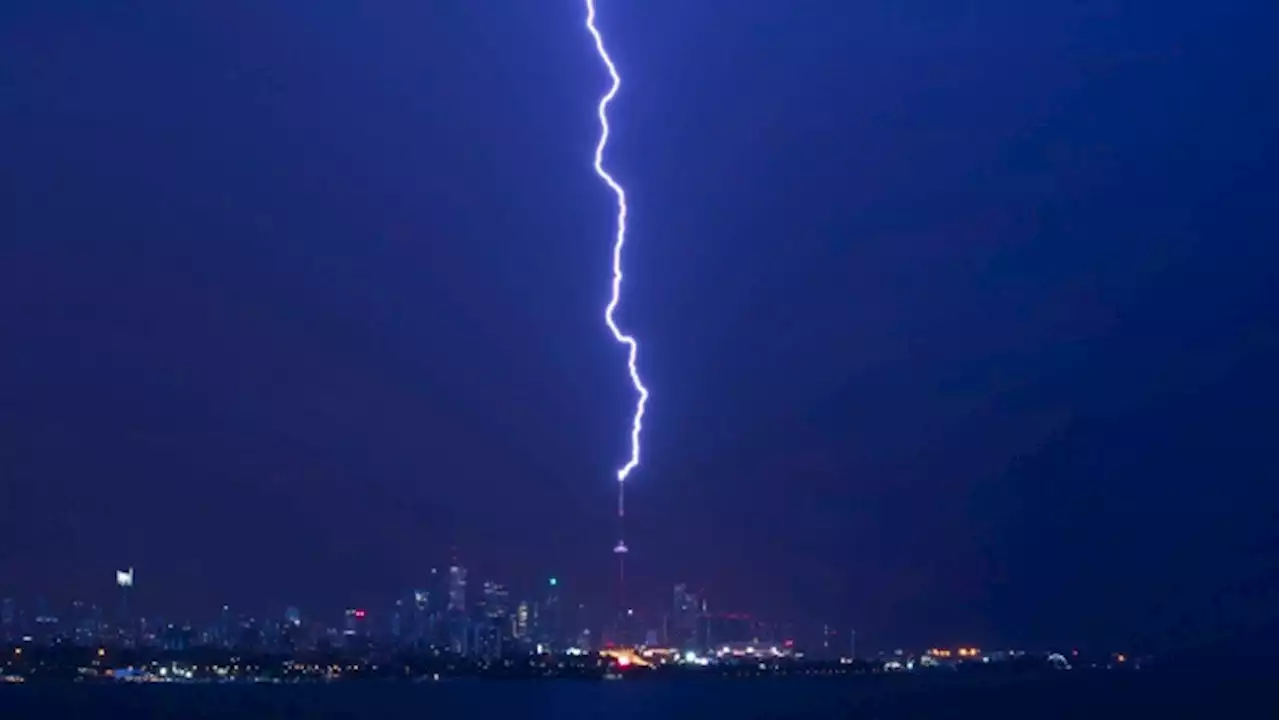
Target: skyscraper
(684, 615)
(549, 629)
(355, 624)
(9, 629)
(496, 600)
(457, 589)
(397, 622)
(124, 585)
(420, 617)
(522, 620)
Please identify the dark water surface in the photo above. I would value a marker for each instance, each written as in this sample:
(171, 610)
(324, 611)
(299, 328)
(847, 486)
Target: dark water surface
(1136, 696)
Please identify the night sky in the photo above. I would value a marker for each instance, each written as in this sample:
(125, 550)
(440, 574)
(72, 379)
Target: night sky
(956, 315)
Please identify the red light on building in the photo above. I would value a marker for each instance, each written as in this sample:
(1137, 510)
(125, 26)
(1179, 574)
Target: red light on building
(359, 613)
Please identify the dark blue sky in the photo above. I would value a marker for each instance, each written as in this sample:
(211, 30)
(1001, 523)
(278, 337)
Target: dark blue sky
(956, 315)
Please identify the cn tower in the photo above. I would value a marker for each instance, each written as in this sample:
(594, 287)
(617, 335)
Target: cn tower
(621, 551)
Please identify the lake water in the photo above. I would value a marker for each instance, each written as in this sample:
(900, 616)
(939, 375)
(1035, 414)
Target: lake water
(1134, 696)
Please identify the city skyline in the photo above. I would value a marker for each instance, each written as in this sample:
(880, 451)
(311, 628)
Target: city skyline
(453, 587)
(490, 619)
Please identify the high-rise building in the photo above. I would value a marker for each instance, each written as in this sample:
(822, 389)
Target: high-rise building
(226, 633)
(684, 615)
(457, 589)
(434, 604)
(438, 586)
(355, 623)
(496, 600)
(549, 620)
(523, 620)
(420, 616)
(124, 586)
(584, 640)
(397, 622)
(484, 641)
(9, 626)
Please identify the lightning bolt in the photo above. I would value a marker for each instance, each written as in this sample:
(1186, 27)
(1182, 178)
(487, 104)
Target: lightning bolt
(642, 393)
